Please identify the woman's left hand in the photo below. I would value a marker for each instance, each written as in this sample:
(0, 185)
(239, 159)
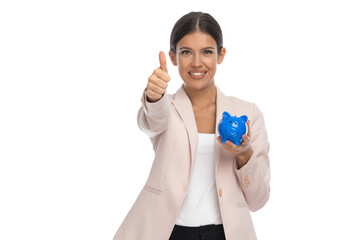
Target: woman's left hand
(243, 152)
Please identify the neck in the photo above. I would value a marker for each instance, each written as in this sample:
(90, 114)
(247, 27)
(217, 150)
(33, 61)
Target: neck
(202, 98)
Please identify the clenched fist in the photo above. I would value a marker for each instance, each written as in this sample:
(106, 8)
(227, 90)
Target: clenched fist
(158, 81)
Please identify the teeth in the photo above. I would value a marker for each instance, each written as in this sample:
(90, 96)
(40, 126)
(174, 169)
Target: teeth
(197, 74)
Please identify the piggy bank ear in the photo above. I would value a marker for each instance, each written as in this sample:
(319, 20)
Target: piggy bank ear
(226, 114)
(244, 118)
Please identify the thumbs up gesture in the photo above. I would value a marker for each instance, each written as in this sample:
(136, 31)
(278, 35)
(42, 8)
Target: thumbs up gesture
(158, 81)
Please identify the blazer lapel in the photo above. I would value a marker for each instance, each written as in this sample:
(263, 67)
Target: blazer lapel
(221, 104)
(183, 106)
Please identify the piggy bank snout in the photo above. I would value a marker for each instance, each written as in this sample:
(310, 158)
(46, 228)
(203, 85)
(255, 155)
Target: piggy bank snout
(231, 131)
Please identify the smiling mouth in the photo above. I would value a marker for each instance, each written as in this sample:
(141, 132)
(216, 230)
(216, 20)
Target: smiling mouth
(197, 75)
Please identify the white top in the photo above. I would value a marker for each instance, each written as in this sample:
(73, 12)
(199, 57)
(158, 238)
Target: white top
(201, 204)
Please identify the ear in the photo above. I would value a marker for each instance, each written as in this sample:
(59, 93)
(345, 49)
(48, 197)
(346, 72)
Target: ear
(221, 55)
(172, 57)
(244, 118)
(226, 114)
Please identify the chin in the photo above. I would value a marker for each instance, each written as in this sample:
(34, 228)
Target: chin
(198, 86)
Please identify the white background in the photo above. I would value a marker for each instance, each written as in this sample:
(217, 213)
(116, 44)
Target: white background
(71, 75)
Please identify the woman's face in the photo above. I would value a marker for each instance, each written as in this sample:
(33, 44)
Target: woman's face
(196, 58)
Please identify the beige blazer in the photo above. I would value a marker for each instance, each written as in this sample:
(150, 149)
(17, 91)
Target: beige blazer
(171, 126)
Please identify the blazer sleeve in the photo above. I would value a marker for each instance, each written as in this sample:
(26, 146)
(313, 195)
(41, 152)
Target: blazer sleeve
(153, 118)
(254, 177)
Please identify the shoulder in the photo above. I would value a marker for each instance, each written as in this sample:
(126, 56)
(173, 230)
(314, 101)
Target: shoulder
(171, 96)
(236, 101)
(231, 99)
(239, 106)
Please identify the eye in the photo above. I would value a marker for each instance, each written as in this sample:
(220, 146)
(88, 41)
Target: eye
(208, 52)
(230, 121)
(185, 52)
(236, 123)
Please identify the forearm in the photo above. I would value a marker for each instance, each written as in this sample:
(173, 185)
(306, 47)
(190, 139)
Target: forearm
(244, 157)
(153, 117)
(254, 175)
(253, 180)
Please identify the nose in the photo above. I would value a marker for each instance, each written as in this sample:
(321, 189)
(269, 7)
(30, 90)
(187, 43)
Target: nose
(230, 132)
(196, 61)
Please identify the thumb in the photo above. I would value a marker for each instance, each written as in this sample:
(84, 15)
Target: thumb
(162, 60)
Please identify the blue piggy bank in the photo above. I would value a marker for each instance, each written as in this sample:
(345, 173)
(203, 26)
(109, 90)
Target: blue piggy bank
(232, 128)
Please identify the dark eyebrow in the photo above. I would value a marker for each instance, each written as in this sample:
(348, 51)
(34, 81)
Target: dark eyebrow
(208, 48)
(184, 48)
(201, 49)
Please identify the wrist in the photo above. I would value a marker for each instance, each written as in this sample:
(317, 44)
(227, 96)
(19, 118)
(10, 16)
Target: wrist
(151, 99)
(244, 157)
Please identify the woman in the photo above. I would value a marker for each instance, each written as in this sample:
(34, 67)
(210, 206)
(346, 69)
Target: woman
(198, 187)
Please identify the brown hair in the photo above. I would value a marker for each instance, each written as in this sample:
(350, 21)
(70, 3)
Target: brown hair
(196, 21)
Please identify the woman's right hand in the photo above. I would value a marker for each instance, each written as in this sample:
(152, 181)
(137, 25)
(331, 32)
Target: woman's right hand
(158, 81)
